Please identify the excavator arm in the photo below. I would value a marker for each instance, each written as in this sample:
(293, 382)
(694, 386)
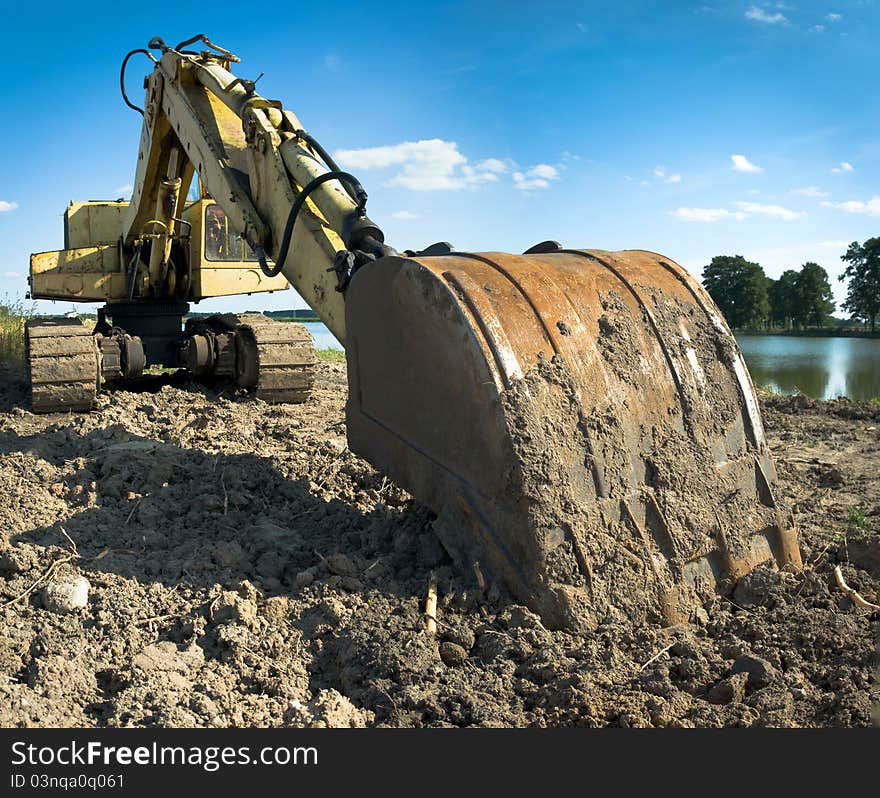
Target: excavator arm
(581, 421)
(254, 158)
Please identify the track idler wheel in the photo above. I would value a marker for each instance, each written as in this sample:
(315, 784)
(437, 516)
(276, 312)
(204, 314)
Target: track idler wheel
(272, 359)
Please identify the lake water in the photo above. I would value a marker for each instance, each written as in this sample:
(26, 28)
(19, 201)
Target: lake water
(822, 368)
(323, 337)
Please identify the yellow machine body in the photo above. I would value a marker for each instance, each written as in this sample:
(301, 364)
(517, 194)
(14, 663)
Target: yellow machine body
(90, 269)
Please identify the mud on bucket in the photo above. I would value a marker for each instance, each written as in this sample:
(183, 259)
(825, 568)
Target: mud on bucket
(582, 423)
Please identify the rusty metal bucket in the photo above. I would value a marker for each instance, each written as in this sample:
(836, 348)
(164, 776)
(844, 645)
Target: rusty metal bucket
(582, 422)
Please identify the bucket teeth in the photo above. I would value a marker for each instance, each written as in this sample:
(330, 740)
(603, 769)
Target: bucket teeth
(581, 422)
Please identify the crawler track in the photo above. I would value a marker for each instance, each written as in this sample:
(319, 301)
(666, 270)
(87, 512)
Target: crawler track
(275, 359)
(63, 365)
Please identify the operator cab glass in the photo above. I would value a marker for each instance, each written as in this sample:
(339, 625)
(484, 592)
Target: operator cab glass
(222, 243)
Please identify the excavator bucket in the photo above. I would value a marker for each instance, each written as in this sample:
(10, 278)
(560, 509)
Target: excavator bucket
(581, 421)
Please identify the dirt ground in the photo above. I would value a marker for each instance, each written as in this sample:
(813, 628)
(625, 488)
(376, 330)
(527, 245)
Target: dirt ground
(245, 569)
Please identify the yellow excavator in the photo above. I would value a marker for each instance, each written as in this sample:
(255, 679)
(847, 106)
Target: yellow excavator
(581, 421)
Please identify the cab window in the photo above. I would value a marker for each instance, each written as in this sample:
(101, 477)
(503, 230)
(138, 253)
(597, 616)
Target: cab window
(221, 241)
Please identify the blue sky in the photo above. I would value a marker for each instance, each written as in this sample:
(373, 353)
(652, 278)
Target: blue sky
(689, 128)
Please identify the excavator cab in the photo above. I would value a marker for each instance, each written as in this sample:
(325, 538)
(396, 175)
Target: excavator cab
(209, 258)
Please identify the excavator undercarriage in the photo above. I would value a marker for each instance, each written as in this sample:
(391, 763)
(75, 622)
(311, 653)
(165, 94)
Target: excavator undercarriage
(581, 421)
(67, 364)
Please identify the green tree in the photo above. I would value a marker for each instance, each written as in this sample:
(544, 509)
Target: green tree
(863, 270)
(814, 298)
(783, 299)
(739, 288)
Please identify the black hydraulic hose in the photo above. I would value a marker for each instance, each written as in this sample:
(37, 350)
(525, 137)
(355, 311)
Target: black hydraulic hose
(201, 37)
(122, 77)
(342, 177)
(325, 157)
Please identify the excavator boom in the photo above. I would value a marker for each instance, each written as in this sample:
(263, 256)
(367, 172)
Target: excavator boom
(581, 422)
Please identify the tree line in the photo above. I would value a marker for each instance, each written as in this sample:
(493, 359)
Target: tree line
(798, 299)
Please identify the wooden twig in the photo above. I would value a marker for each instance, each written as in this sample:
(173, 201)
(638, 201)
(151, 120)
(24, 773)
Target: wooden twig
(325, 471)
(324, 561)
(431, 606)
(74, 555)
(478, 573)
(732, 604)
(45, 575)
(70, 540)
(132, 511)
(159, 618)
(211, 604)
(854, 595)
(657, 656)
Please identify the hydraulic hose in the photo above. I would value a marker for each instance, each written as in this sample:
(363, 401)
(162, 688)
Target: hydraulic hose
(325, 156)
(122, 77)
(349, 180)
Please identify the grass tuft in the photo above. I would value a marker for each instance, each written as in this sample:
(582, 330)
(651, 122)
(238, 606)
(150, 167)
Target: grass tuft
(855, 517)
(12, 318)
(330, 355)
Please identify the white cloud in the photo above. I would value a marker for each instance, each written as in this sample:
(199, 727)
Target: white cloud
(124, 190)
(525, 184)
(660, 174)
(771, 211)
(404, 215)
(819, 28)
(845, 166)
(706, 214)
(743, 164)
(427, 165)
(473, 176)
(810, 191)
(760, 15)
(581, 27)
(396, 154)
(870, 208)
(12, 275)
(543, 170)
(438, 165)
(835, 17)
(839, 244)
(492, 165)
(5, 206)
(538, 176)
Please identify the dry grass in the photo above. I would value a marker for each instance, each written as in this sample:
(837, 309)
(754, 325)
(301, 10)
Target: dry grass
(12, 318)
